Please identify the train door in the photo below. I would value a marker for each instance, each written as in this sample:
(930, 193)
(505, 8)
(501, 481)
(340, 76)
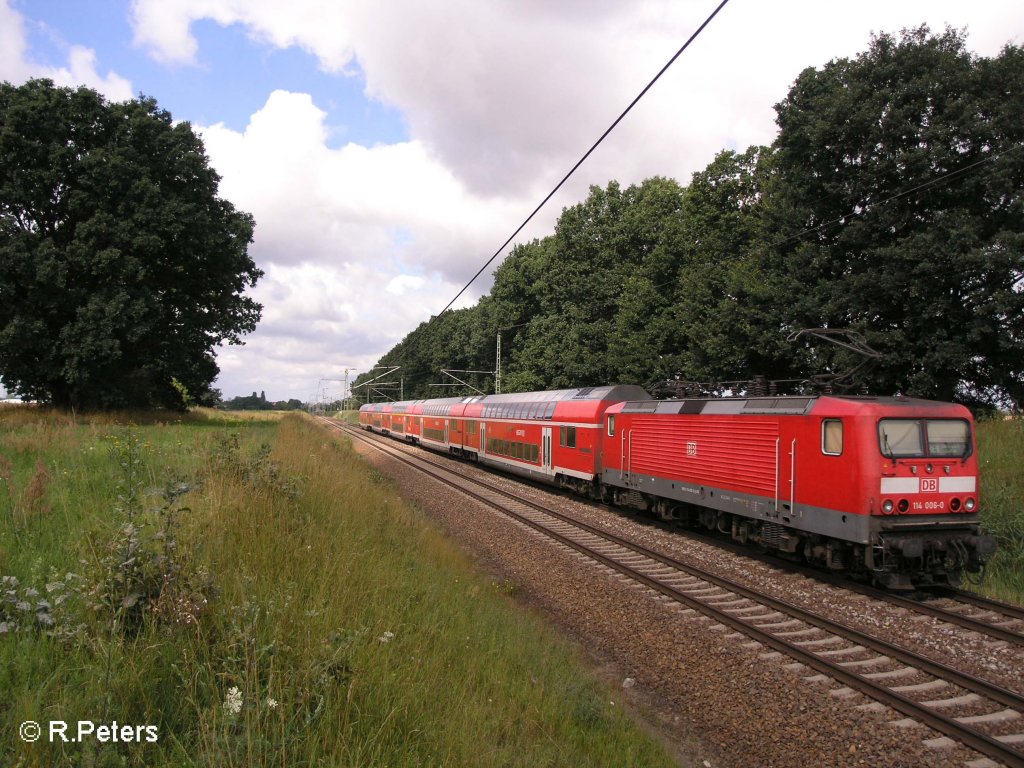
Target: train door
(785, 479)
(546, 448)
(483, 438)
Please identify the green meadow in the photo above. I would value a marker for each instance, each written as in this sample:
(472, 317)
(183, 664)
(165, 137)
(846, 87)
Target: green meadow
(247, 592)
(1001, 458)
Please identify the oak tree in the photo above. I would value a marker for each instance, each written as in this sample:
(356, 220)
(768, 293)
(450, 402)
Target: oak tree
(120, 267)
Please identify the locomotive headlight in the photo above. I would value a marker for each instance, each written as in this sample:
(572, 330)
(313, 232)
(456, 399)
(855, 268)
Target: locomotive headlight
(903, 506)
(970, 504)
(887, 506)
(954, 505)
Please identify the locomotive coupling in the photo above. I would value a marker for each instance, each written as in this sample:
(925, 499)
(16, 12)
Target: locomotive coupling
(985, 546)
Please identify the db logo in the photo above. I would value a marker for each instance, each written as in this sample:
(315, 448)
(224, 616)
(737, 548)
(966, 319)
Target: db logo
(691, 449)
(929, 485)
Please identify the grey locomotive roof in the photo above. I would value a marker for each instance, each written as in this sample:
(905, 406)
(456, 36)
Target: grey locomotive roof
(724, 405)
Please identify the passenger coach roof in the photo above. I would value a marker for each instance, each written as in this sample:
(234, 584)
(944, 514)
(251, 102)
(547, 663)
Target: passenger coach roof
(617, 392)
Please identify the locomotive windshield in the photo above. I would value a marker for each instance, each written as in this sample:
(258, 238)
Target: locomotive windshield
(918, 438)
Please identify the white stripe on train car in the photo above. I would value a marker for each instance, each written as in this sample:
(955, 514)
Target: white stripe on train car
(895, 485)
(900, 485)
(957, 484)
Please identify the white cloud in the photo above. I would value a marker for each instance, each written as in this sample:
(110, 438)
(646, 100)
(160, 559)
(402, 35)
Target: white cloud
(16, 64)
(507, 95)
(163, 27)
(359, 244)
(392, 205)
(81, 70)
(13, 64)
(317, 321)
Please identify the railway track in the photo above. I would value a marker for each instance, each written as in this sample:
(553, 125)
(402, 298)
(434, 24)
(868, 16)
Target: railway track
(998, 620)
(979, 714)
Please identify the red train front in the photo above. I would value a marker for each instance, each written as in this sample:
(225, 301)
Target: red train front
(881, 486)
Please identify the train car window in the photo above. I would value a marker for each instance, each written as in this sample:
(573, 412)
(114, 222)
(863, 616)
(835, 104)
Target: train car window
(567, 437)
(549, 411)
(611, 426)
(832, 437)
(900, 437)
(948, 437)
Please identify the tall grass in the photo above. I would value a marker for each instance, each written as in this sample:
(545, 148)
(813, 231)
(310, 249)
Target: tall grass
(290, 610)
(1001, 453)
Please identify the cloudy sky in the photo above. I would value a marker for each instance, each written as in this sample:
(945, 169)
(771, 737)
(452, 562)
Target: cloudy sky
(386, 149)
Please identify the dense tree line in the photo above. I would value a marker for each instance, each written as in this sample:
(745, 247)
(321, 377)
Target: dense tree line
(259, 402)
(889, 203)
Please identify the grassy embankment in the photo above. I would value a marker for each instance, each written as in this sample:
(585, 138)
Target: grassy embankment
(1001, 456)
(275, 605)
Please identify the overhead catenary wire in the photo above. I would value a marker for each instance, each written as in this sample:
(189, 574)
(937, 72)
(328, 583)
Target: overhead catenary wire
(587, 154)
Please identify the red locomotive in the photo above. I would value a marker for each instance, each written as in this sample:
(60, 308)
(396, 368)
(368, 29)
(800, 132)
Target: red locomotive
(886, 487)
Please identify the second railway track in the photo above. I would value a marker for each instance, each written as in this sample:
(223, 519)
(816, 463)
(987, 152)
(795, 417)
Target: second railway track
(977, 713)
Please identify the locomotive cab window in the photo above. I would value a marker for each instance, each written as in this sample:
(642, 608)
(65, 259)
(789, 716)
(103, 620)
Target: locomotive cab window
(611, 426)
(832, 437)
(948, 437)
(917, 438)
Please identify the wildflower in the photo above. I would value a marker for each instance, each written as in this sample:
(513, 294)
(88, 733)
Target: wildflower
(271, 703)
(233, 701)
(387, 637)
